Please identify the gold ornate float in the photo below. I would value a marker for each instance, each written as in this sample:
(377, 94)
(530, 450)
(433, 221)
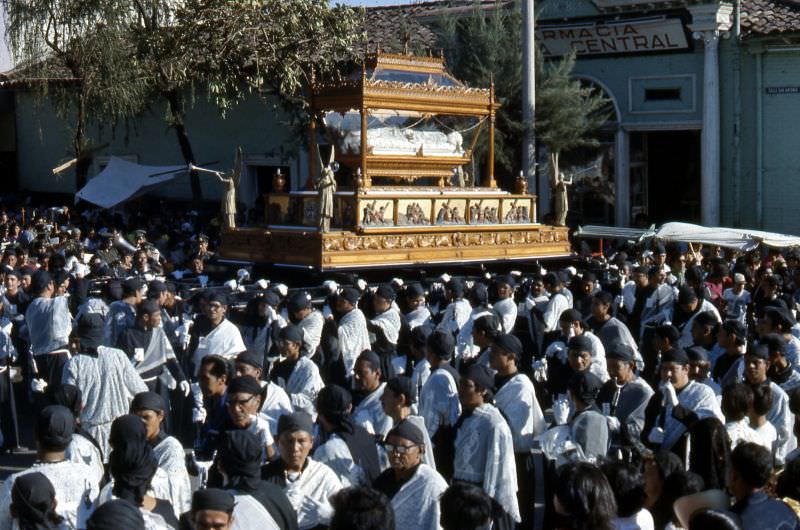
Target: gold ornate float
(400, 136)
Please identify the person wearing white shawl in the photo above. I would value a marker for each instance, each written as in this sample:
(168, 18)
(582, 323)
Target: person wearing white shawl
(307, 319)
(516, 399)
(274, 400)
(399, 396)
(307, 483)
(385, 327)
(412, 486)
(484, 446)
(168, 451)
(465, 346)
(506, 306)
(258, 336)
(557, 304)
(458, 311)
(297, 375)
(678, 402)
(438, 400)
(417, 366)
(352, 333)
(344, 445)
(418, 313)
(224, 338)
(368, 411)
(105, 376)
(609, 329)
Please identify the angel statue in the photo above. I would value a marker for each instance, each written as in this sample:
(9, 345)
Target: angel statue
(231, 181)
(560, 204)
(326, 187)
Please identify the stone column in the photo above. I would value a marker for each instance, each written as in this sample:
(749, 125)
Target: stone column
(709, 23)
(622, 179)
(710, 137)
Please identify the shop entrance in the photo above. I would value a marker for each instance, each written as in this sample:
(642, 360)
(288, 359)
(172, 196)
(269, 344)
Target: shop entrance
(665, 177)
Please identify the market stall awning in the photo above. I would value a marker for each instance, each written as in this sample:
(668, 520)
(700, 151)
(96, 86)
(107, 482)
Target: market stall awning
(122, 181)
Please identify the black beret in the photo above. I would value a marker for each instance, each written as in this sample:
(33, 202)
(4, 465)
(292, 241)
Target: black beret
(270, 298)
(148, 307)
(697, 354)
(619, 351)
(508, 343)
(570, 315)
(481, 376)
(131, 285)
(675, 355)
(217, 296)
(414, 290)
(408, 431)
(420, 334)
(147, 401)
(758, 350)
(668, 331)
(350, 294)
(386, 292)
(505, 279)
(292, 333)
(155, 288)
(245, 384)
(213, 499)
(580, 343)
(296, 421)
(735, 328)
(298, 301)
(250, 358)
(55, 425)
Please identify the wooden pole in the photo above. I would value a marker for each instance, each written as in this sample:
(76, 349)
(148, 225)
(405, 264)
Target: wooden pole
(489, 180)
(364, 147)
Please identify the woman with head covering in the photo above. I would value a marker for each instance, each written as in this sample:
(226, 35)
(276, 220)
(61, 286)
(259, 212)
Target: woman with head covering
(115, 515)
(308, 483)
(105, 376)
(83, 448)
(484, 447)
(258, 503)
(413, 487)
(346, 447)
(133, 466)
(296, 373)
(168, 451)
(74, 485)
(33, 504)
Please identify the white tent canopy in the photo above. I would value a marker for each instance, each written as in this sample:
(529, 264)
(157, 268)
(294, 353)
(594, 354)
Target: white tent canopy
(122, 181)
(736, 238)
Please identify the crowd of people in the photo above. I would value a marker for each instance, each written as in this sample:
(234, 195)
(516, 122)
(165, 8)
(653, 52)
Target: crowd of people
(647, 388)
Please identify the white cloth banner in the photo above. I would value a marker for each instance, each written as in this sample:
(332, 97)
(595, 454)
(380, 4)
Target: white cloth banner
(121, 181)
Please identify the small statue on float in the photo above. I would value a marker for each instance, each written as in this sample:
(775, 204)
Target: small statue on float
(326, 188)
(231, 181)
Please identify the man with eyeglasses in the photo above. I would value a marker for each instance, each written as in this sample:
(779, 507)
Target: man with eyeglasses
(413, 487)
(222, 338)
(243, 402)
(307, 483)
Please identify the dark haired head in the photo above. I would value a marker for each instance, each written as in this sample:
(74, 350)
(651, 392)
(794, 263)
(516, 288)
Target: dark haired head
(487, 324)
(465, 507)
(627, 482)
(219, 366)
(360, 508)
(762, 399)
(752, 463)
(789, 481)
(737, 399)
(604, 297)
(586, 496)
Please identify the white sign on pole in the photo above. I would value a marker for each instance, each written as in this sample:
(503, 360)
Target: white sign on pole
(623, 37)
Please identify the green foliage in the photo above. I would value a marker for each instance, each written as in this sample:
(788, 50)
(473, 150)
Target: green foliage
(485, 47)
(488, 44)
(568, 113)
